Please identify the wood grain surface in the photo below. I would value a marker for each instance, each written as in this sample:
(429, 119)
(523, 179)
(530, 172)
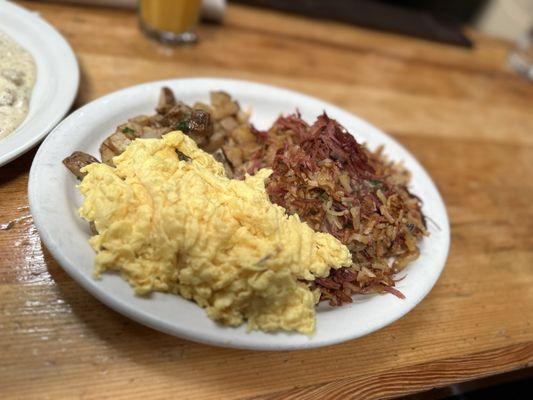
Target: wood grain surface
(463, 114)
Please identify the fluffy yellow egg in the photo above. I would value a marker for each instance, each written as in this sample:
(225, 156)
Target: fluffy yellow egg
(177, 224)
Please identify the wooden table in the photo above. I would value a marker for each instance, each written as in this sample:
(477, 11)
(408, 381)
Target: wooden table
(462, 112)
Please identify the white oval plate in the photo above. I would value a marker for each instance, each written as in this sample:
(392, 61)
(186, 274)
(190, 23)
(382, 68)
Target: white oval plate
(54, 201)
(56, 82)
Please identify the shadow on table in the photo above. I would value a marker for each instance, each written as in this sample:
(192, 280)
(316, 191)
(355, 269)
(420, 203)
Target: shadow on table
(509, 386)
(228, 370)
(16, 168)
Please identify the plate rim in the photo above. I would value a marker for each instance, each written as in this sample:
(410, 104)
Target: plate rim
(68, 89)
(127, 310)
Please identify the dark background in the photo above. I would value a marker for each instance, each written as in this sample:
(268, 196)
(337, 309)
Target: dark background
(437, 20)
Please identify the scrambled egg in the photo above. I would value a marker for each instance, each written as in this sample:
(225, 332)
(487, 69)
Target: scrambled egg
(169, 220)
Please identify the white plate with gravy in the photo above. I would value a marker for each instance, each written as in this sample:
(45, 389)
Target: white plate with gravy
(39, 79)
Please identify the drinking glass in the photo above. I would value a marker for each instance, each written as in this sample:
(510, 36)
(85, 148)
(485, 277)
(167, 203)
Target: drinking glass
(170, 21)
(521, 57)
